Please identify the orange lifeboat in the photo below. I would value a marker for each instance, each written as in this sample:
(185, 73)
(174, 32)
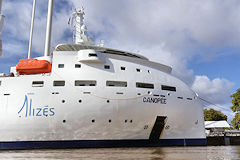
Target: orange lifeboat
(33, 66)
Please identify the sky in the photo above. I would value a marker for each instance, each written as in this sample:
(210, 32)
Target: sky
(200, 40)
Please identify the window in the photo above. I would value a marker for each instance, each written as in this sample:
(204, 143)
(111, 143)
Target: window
(189, 98)
(138, 70)
(168, 88)
(77, 65)
(37, 84)
(106, 66)
(60, 65)
(144, 85)
(123, 68)
(58, 83)
(116, 84)
(119, 93)
(85, 83)
(92, 55)
(0, 83)
(180, 97)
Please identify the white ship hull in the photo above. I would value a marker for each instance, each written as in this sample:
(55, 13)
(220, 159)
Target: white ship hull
(47, 116)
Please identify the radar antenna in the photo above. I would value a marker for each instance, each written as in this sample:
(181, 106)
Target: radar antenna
(79, 28)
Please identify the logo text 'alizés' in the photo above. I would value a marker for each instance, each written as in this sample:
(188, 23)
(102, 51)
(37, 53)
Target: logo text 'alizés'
(35, 112)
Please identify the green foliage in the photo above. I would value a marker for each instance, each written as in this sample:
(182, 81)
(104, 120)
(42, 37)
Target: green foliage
(213, 115)
(236, 120)
(236, 101)
(236, 108)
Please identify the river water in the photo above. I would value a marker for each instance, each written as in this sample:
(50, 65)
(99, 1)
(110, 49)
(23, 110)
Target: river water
(160, 153)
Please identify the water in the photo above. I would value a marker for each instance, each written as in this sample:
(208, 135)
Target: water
(160, 153)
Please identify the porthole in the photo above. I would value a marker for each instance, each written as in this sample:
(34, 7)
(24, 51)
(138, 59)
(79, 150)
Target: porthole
(80, 101)
(138, 70)
(63, 101)
(123, 68)
(131, 121)
(126, 121)
(169, 94)
(108, 101)
(77, 65)
(109, 120)
(149, 71)
(139, 94)
(64, 121)
(93, 121)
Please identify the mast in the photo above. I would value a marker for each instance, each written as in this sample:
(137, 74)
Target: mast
(49, 29)
(1, 26)
(31, 32)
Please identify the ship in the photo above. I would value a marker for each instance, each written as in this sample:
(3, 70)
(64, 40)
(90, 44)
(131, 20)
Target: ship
(85, 95)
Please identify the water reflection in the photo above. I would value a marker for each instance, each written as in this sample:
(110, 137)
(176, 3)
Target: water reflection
(160, 153)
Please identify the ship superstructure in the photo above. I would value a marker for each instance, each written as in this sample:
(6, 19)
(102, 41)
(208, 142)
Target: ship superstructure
(92, 96)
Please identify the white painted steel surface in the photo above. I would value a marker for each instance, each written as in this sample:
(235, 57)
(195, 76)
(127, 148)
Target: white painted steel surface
(82, 104)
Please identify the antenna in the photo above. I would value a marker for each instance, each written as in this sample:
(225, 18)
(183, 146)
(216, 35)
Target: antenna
(80, 29)
(49, 29)
(31, 31)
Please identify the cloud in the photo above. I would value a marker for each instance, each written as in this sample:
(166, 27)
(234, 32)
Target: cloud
(215, 91)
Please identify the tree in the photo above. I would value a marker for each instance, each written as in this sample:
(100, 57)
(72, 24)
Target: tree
(213, 115)
(236, 109)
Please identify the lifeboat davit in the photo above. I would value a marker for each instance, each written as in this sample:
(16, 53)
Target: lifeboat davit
(33, 66)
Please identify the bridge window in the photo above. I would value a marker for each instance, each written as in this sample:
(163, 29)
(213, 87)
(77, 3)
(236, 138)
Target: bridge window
(92, 55)
(58, 83)
(37, 84)
(77, 65)
(60, 65)
(85, 83)
(106, 67)
(116, 84)
(144, 85)
(168, 88)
